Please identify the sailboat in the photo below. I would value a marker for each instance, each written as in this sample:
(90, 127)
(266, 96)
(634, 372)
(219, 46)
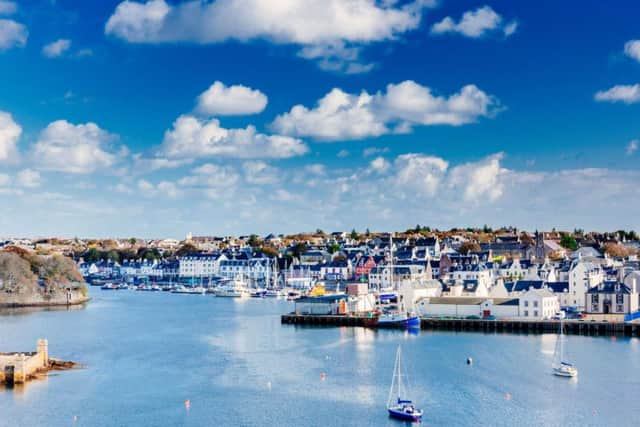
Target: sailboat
(562, 368)
(398, 405)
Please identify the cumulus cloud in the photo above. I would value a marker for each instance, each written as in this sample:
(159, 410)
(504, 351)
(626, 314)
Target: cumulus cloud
(478, 181)
(163, 189)
(192, 137)
(29, 178)
(343, 116)
(10, 132)
(632, 49)
(379, 165)
(56, 48)
(12, 34)
(632, 147)
(8, 7)
(230, 100)
(476, 23)
(212, 177)
(328, 30)
(79, 149)
(628, 94)
(419, 173)
(260, 173)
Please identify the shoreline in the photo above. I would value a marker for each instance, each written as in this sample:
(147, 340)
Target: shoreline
(44, 304)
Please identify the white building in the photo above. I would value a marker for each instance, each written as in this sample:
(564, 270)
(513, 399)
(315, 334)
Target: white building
(537, 304)
(583, 275)
(200, 265)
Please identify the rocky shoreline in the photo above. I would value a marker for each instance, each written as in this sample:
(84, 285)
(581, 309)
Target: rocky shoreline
(39, 299)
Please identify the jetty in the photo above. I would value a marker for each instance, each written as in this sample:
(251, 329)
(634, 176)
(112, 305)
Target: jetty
(577, 327)
(18, 368)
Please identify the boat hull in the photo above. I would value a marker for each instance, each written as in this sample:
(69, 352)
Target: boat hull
(401, 415)
(565, 373)
(410, 322)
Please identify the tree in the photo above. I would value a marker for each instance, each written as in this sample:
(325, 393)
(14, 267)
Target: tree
(354, 235)
(269, 251)
(367, 233)
(320, 232)
(92, 255)
(253, 240)
(469, 246)
(113, 255)
(616, 250)
(333, 247)
(132, 241)
(569, 242)
(186, 249)
(298, 249)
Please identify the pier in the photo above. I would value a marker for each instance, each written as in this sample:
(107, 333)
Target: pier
(18, 368)
(584, 327)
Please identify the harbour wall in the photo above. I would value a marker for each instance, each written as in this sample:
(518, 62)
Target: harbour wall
(585, 327)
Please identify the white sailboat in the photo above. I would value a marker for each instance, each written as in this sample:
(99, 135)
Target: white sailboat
(398, 404)
(561, 367)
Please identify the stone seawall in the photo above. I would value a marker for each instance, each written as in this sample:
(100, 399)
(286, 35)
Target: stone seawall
(40, 299)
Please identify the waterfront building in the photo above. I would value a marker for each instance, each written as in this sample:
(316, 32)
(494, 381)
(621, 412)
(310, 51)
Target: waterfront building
(538, 304)
(363, 267)
(466, 306)
(322, 305)
(316, 256)
(200, 265)
(613, 301)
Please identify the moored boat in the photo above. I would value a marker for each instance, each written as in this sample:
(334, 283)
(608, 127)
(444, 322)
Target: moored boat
(562, 368)
(398, 405)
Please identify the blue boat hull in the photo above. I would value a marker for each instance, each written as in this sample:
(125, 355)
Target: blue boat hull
(411, 322)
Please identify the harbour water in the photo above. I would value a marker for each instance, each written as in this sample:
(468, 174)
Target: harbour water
(146, 353)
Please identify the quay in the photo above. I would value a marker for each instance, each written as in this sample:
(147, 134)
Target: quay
(584, 327)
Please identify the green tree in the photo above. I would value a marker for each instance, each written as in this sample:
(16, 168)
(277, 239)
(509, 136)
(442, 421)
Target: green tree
(92, 255)
(133, 241)
(333, 247)
(569, 242)
(354, 235)
(320, 232)
(113, 255)
(186, 249)
(298, 249)
(253, 240)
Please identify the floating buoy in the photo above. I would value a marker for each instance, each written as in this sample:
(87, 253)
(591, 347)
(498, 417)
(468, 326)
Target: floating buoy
(75, 418)
(322, 376)
(269, 385)
(187, 404)
(507, 396)
(469, 361)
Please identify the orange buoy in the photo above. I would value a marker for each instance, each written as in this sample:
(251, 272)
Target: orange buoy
(323, 376)
(187, 404)
(507, 396)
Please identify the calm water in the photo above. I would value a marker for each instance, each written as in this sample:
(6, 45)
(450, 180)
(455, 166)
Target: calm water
(146, 353)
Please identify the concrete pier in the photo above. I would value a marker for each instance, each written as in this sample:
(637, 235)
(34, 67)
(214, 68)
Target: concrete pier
(584, 327)
(17, 368)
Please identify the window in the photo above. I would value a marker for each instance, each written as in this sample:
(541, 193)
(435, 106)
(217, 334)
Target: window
(526, 304)
(535, 313)
(526, 313)
(620, 308)
(594, 299)
(535, 304)
(620, 298)
(594, 307)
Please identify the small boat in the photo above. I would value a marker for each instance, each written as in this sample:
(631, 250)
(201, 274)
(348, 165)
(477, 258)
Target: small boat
(561, 368)
(398, 405)
(258, 293)
(293, 295)
(232, 289)
(398, 320)
(110, 287)
(274, 293)
(192, 291)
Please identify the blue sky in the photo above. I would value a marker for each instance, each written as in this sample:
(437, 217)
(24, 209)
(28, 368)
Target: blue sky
(331, 114)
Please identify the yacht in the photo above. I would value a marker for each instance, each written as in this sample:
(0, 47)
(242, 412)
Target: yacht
(235, 288)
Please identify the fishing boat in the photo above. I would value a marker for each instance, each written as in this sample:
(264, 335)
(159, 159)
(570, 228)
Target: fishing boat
(561, 367)
(398, 320)
(398, 404)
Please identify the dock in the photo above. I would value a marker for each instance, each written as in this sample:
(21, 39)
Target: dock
(576, 327)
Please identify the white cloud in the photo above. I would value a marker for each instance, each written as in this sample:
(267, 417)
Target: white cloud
(629, 94)
(379, 165)
(5, 180)
(230, 100)
(260, 173)
(330, 31)
(10, 132)
(56, 48)
(317, 169)
(29, 178)
(632, 147)
(370, 151)
(212, 177)
(80, 149)
(478, 181)
(163, 188)
(343, 153)
(8, 7)
(192, 137)
(475, 23)
(343, 116)
(419, 173)
(632, 49)
(12, 34)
